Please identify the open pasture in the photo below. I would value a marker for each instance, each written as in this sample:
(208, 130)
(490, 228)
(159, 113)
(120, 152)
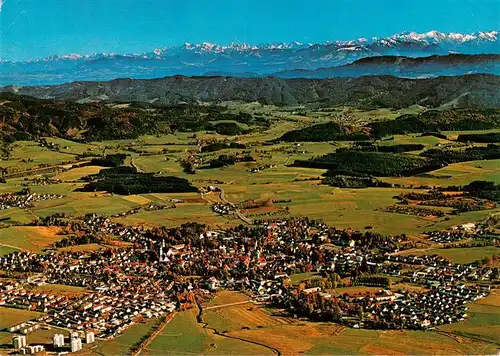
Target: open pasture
(11, 316)
(244, 316)
(78, 173)
(343, 208)
(183, 213)
(31, 238)
(27, 155)
(184, 336)
(332, 339)
(122, 344)
(224, 297)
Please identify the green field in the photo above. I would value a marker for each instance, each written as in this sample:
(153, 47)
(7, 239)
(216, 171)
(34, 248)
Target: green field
(10, 316)
(184, 336)
(122, 344)
(461, 255)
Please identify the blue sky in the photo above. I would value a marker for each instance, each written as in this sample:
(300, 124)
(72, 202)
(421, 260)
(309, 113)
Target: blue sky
(40, 28)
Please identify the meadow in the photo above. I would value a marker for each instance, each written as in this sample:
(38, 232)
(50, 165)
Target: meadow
(184, 336)
(460, 255)
(331, 339)
(122, 344)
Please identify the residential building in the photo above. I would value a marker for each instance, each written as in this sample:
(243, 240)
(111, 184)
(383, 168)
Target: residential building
(76, 343)
(19, 341)
(58, 340)
(89, 337)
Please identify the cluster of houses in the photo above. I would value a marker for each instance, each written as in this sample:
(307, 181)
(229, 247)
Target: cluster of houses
(433, 275)
(424, 260)
(22, 201)
(458, 233)
(262, 167)
(448, 236)
(223, 209)
(444, 304)
(137, 210)
(413, 210)
(104, 310)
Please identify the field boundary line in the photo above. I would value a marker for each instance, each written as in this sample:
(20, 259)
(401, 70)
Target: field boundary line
(227, 305)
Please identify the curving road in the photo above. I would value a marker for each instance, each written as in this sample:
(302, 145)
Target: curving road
(236, 210)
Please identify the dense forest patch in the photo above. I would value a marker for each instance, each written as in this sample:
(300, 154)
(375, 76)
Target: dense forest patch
(127, 181)
(228, 160)
(23, 117)
(229, 129)
(217, 146)
(378, 164)
(484, 190)
(493, 137)
(428, 123)
(113, 160)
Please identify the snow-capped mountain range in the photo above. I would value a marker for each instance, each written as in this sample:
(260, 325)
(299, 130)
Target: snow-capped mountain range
(241, 59)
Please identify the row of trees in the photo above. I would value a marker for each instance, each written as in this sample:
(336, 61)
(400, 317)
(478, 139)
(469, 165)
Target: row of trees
(229, 160)
(400, 148)
(372, 281)
(448, 156)
(345, 181)
(493, 137)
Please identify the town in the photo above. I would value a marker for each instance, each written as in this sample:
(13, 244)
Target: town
(161, 270)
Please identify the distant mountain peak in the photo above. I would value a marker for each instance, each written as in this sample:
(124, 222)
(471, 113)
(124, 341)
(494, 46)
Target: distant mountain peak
(242, 58)
(436, 36)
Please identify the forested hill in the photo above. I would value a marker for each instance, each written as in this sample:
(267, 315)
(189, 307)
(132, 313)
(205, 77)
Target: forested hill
(479, 91)
(24, 117)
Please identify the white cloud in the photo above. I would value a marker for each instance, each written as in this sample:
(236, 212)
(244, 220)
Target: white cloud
(1, 3)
